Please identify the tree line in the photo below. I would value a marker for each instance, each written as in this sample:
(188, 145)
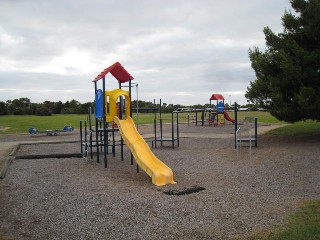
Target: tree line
(24, 106)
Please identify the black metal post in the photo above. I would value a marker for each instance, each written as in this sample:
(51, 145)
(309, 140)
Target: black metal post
(121, 148)
(256, 131)
(235, 124)
(217, 113)
(85, 132)
(155, 133)
(113, 143)
(172, 126)
(105, 134)
(90, 131)
(202, 118)
(81, 142)
(155, 125)
(161, 136)
(196, 118)
(178, 129)
(130, 97)
(120, 107)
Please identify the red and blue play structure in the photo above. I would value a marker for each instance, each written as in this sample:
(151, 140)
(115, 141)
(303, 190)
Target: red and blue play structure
(221, 114)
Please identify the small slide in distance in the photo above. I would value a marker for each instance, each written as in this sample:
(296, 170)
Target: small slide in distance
(227, 117)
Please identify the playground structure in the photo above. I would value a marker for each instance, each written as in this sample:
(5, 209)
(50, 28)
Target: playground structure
(51, 132)
(221, 114)
(214, 117)
(113, 113)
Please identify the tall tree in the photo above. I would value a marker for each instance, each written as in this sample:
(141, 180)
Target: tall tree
(288, 71)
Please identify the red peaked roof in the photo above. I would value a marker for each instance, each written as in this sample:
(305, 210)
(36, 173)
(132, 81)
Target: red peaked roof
(217, 97)
(117, 71)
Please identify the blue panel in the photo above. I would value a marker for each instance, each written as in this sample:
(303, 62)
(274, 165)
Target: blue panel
(220, 107)
(99, 103)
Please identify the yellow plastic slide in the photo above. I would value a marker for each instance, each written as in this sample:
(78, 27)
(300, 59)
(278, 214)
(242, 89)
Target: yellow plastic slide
(159, 172)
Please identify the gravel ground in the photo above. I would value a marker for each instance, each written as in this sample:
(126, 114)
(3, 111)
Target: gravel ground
(76, 198)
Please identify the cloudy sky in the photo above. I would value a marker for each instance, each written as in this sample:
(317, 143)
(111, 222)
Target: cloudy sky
(179, 50)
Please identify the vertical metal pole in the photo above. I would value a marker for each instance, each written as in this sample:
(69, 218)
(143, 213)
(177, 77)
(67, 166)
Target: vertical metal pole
(81, 137)
(155, 133)
(85, 139)
(121, 117)
(161, 122)
(256, 131)
(137, 106)
(131, 159)
(113, 143)
(196, 118)
(85, 131)
(178, 129)
(130, 98)
(90, 130)
(235, 123)
(121, 149)
(105, 134)
(218, 113)
(155, 125)
(172, 126)
(100, 133)
(131, 156)
(202, 118)
(97, 138)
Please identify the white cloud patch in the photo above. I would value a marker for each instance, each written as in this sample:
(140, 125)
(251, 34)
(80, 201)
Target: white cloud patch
(9, 41)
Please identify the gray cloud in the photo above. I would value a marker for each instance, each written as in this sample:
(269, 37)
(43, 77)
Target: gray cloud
(182, 51)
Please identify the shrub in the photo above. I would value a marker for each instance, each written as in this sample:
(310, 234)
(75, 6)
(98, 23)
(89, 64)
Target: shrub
(43, 111)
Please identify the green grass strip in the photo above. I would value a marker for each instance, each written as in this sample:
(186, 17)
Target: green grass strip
(302, 225)
(301, 129)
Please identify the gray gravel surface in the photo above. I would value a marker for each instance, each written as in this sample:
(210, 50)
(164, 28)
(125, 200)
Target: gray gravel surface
(76, 198)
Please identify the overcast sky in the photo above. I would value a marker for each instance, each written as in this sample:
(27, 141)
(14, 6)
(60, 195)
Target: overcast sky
(180, 51)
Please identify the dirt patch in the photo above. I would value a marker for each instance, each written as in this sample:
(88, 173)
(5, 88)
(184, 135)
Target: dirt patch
(263, 129)
(3, 128)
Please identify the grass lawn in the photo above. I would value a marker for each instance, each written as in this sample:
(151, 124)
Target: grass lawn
(15, 124)
(21, 124)
(299, 129)
(263, 117)
(302, 225)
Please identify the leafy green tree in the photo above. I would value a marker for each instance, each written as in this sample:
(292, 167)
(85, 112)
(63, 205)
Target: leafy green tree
(288, 71)
(58, 106)
(3, 108)
(43, 111)
(21, 106)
